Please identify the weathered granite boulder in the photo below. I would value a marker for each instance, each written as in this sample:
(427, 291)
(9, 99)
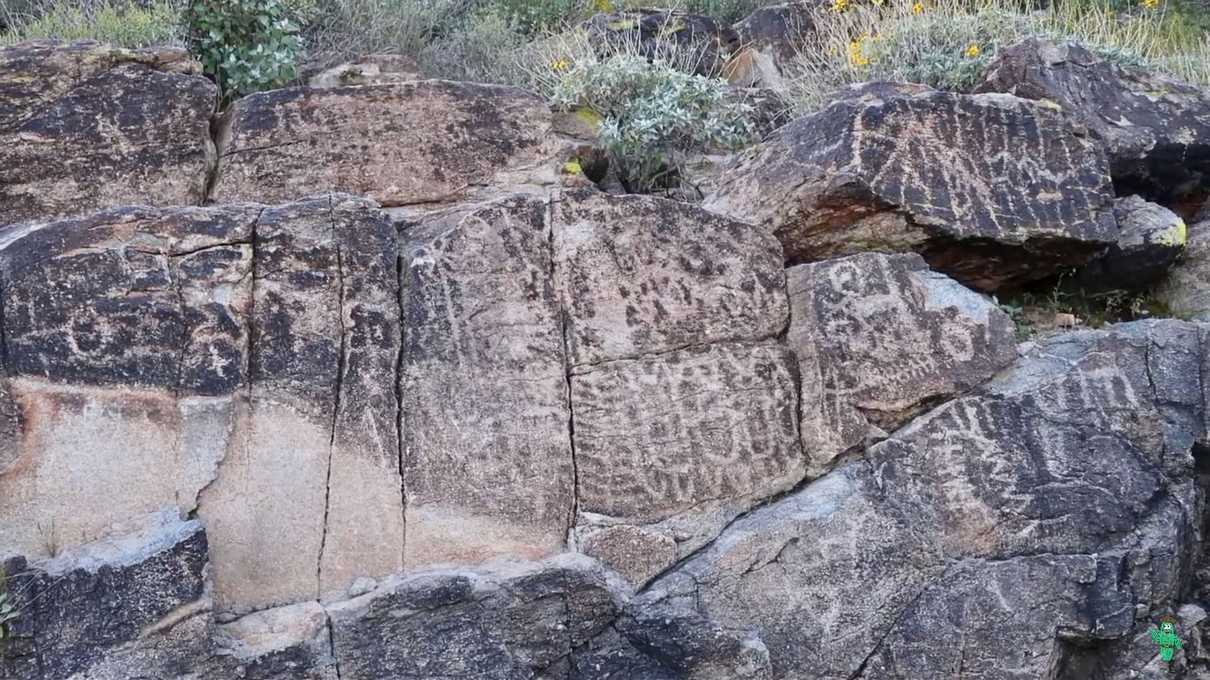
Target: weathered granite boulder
(315, 478)
(418, 142)
(880, 338)
(487, 458)
(1001, 534)
(1155, 130)
(656, 33)
(85, 127)
(640, 275)
(946, 175)
(1150, 238)
(1186, 287)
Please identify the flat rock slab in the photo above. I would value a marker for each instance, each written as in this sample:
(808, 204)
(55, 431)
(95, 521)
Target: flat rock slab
(1150, 239)
(487, 455)
(1186, 288)
(991, 189)
(677, 445)
(1155, 130)
(879, 338)
(640, 275)
(86, 126)
(410, 143)
(1057, 497)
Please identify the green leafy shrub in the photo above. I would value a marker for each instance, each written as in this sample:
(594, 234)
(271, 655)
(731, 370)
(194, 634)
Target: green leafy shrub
(651, 114)
(533, 16)
(247, 45)
(343, 30)
(123, 23)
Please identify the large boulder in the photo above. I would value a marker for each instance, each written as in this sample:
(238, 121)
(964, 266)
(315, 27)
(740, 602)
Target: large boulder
(1155, 130)
(417, 142)
(771, 37)
(1006, 532)
(487, 459)
(879, 338)
(894, 168)
(85, 127)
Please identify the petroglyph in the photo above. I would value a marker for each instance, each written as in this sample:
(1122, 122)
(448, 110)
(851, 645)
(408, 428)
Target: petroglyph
(880, 337)
(950, 176)
(487, 457)
(684, 441)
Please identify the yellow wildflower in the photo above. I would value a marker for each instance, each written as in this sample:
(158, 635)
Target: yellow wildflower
(877, 3)
(1151, 4)
(602, 5)
(840, 5)
(918, 8)
(857, 55)
(972, 50)
(560, 64)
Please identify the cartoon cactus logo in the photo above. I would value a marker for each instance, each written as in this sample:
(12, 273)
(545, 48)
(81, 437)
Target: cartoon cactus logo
(1165, 636)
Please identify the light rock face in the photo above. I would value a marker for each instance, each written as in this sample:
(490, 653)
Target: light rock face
(1008, 529)
(1155, 130)
(879, 338)
(85, 127)
(487, 459)
(315, 478)
(910, 169)
(408, 143)
(770, 37)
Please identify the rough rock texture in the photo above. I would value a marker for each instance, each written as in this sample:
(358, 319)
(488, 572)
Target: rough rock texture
(487, 456)
(879, 338)
(309, 498)
(1186, 288)
(511, 624)
(1150, 238)
(771, 37)
(990, 189)
(410, 143)
(125, 338)
(641, 275)
(998, 536)
(79, 607)
(85, 127)
(657, 32)
(1155, 130)
(679, 444)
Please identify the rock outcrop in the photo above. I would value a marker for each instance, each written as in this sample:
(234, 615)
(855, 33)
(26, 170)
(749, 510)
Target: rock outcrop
(653, 33)
(86, 127)
(477, 424)
(1155, 130)
(1186, 287)
(991, 189)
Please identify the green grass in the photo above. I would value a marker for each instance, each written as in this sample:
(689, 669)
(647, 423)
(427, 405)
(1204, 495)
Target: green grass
(123, 23)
